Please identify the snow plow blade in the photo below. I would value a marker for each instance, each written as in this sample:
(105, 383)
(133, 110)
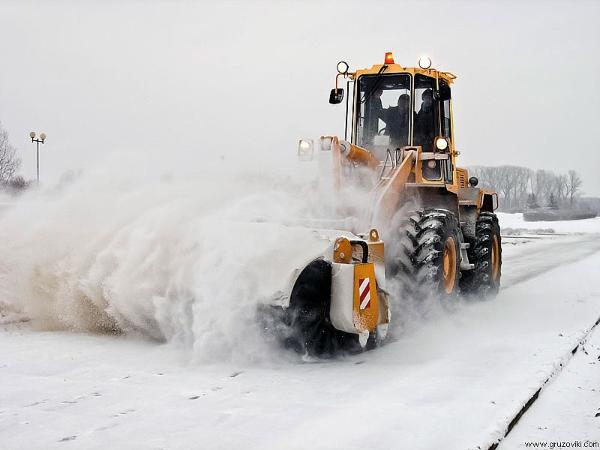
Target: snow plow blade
(337, 303)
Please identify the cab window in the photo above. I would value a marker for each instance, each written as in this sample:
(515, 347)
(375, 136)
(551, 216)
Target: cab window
(383, 107)
(445, 112)
(426, 113)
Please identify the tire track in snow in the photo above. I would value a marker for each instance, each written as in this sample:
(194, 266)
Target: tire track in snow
(531, 400)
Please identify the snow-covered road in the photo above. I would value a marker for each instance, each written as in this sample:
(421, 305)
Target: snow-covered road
(453, 381)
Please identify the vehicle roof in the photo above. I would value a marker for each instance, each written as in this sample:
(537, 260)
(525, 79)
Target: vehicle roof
(397, 68)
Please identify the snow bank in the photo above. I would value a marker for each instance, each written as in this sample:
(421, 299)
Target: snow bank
(516, 222)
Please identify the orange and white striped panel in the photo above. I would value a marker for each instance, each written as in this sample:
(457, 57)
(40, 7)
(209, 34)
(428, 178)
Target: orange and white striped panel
(366, 307)
(364, 292)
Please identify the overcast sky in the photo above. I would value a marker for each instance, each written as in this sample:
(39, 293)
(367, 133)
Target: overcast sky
(182, 80)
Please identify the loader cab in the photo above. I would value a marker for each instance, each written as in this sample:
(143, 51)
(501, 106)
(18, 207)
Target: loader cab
(383, 106)
(405, 108)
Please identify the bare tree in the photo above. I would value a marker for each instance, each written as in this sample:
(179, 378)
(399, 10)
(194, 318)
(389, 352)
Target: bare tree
(521, 177)
(573, 185)
(552, 203)
(520, 187)
(9, 162)
(505, 184)
(560, 183)
(544, 184)
(511, 182)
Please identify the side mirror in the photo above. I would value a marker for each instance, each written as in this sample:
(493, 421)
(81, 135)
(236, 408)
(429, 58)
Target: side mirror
(473, 181)
(336, 96)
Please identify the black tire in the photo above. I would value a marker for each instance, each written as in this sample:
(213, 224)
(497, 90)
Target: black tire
(309, 328)
(484, 279)
(418, 256)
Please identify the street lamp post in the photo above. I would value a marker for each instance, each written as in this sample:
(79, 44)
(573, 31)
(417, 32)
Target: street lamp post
(37, 141)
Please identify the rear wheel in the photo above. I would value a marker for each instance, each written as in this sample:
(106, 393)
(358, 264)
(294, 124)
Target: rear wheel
(485, 253)
(426, 259)
(309, 329)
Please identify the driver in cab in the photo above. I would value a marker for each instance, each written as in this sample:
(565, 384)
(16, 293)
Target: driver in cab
(396, 119)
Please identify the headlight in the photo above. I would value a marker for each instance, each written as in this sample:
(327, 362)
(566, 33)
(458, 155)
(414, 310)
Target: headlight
(326, 143)
(342, 67)
(424, 62)
(441, 144)
(305, 149)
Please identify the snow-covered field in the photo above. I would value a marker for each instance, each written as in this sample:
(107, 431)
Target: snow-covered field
(516, 222)
(453, 379)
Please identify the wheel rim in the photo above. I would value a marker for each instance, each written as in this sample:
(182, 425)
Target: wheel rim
(449, 266)
(495, 257)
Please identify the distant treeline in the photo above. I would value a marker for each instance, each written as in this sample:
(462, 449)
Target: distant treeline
(10, 182)
(521, 188)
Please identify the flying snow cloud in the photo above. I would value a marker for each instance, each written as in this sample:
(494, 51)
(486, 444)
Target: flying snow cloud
(187, 260)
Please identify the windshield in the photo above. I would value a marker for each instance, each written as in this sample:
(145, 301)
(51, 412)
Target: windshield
(383, 107)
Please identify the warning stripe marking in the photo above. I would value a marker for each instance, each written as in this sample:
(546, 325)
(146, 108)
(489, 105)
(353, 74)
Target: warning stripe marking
(364, 292)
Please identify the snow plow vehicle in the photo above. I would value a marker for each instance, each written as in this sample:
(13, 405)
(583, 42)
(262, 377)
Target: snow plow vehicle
(441, 235)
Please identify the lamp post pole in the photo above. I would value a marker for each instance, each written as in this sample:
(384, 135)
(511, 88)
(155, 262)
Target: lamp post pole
(37, 141)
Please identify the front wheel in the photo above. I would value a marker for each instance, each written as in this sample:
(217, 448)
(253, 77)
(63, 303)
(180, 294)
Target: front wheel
(426, 259)
(309, 328)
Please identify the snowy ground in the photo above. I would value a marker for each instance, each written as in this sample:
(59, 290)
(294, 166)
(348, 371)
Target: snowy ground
(568, 409)
(454, 380)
